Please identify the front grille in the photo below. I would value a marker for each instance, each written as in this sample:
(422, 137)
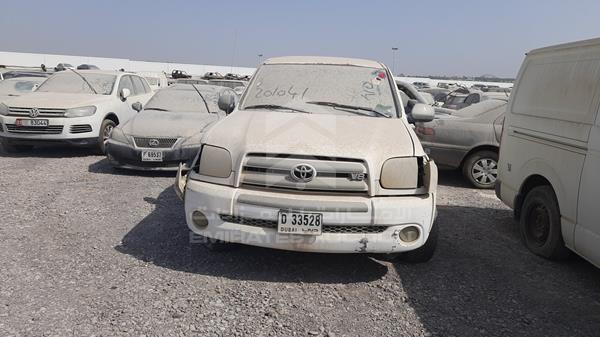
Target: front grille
(163, 143)
(332, 174)
(43, 112)
(81, 128)
(35, 130)
(341, 229)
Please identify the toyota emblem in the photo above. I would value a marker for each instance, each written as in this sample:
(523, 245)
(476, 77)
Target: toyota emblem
(303, 173)
(34, 113)
(153, 142)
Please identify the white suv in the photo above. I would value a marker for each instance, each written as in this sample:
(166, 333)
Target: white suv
(74, 107)
(318, 157)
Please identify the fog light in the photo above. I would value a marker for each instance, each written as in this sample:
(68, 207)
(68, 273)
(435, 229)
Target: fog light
(199, 219)
(409, 234)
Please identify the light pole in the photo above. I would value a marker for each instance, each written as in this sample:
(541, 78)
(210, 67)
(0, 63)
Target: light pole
(394, 50)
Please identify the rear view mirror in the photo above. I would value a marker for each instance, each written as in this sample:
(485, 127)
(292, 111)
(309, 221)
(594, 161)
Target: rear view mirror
(227, 103)
(125, 93)
(422, 113)
(137, 106)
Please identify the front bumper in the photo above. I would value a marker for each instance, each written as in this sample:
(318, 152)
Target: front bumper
(130, 157)
(64, 135)
(220, 204)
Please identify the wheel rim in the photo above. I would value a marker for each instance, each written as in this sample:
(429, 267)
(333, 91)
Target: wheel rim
(538, 224)
(485, 171)
(107, 130)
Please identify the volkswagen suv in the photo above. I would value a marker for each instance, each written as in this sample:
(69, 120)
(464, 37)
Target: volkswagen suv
(318, 157)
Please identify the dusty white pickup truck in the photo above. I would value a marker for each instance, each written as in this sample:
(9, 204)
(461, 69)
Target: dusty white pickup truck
(319, 157)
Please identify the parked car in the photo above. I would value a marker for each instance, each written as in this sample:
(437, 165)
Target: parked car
(168, 130)
(293, 168)
(87, 67)
(191, 81)
(550, 152)
(467, 139)
(228, 83)
(439, 95)
(421, 85)
(463, 98)
(19, 86)
(179, 74)
(157, 80)
(213, 75)
(77, 108)
(63, 67)
(24, 73)
(411, 96)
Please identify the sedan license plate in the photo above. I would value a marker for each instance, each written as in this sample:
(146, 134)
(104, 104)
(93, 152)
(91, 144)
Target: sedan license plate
(300, 223)
(31, 122)
(152, 156)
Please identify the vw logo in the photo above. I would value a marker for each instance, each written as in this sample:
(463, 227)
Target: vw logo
(34, 113)
(153, 142)
(303, 173)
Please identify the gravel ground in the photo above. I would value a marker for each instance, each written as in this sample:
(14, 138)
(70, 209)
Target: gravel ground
(87, 250)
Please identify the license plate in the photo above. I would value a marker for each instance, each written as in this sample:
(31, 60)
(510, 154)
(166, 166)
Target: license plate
(31, 122)
(152, 156)
(300, 223)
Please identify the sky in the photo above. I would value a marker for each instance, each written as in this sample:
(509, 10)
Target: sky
(433, 37)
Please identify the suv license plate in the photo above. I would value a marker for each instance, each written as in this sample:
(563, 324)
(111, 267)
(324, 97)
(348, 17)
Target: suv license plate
(152, 156)
(299, 223)
(31, 122)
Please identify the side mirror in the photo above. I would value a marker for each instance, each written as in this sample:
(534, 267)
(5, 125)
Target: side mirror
(227, 103)
(125, 93)
(423, 113)
(137, 106)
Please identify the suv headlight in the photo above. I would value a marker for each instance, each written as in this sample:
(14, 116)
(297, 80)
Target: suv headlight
(118, 135)
(400, 173)
(3, 109)
(215, 162)
(83, 111)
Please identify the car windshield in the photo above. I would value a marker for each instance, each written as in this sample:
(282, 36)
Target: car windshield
(329, 89)
(17, 86)
(456, 99)
(184, 98)
(70, 82)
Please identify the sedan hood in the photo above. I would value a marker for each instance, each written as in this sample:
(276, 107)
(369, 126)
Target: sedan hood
(55, 100)
(264, 131)
(150, 123)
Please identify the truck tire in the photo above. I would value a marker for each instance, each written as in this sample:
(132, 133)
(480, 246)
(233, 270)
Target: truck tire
(540, 224)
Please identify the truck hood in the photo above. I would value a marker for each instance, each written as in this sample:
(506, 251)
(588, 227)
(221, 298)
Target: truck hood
(150, 123)
(265, 131)
(55, 100)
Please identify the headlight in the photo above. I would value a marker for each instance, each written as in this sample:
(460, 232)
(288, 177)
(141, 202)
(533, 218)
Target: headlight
(83, 111)
(400, 173)
(118, 135)
(215, 162)
(3, 109)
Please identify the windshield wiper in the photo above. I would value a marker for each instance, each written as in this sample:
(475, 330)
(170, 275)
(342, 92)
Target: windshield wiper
(352, 108)
(274, 107)
(157, 109)
(86, 81)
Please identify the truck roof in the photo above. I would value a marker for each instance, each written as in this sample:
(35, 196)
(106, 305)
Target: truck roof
(323, 60)
(570, 45)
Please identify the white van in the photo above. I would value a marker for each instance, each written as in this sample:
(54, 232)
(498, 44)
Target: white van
(550, 151)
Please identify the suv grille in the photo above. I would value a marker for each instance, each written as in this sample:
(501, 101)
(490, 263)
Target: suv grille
(40, 130)
(43, 112)
(344, 229)
(331, 174)
(81, 128)
(163, 143)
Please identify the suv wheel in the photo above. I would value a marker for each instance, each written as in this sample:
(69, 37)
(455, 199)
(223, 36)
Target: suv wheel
(540, 224)
(105, 130)
(481, 169)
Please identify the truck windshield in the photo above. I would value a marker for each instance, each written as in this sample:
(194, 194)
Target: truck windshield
(322, 89)
(70, 82)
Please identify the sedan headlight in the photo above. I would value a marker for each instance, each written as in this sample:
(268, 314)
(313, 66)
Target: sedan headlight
(118, 135)
(215, 162)
(3, 109)
(83, 111)
(400, 173)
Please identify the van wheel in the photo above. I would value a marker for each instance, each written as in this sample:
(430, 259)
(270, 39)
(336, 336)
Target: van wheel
(12, 148)
(481, 169)
(420, 255)
(105, 130)
(540, 224)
